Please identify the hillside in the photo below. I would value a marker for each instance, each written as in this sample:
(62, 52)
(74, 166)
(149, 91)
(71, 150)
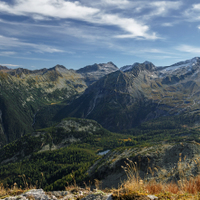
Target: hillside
(54, 154)
(139, 93)
(81, 150)
(117, 99)
(30, 94)
(24, 92)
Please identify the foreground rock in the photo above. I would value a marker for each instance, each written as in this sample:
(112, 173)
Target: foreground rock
(39, 194)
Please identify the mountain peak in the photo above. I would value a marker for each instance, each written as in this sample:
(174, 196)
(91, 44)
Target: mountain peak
(101, 66)
(57, 67)
(4, 68)
(145, 65)
(181, 65)
(91, 73)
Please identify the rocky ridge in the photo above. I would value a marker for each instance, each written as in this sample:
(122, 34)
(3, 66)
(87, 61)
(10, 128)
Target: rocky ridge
(92, 73)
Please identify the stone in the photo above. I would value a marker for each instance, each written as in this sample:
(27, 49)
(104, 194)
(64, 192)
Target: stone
(38, 194)
(98, 197)
(152, 197)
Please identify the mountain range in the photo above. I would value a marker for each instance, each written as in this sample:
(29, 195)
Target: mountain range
(56, 123)
(25, 92)
(118, 99)
(138, 93)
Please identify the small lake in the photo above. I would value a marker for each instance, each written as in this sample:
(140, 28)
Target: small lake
(103, 152)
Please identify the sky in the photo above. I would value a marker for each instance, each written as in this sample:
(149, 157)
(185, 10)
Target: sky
(37, 34)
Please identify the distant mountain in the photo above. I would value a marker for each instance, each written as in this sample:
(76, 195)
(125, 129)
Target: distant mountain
(140, 92)
(92, 73)
(117, 101)
(180, 66)
(137, 65)
(24, 92)
(3, 68)
(29, 98)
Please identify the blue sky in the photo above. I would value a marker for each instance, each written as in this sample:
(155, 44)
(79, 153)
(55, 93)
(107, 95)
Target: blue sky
(36, 34)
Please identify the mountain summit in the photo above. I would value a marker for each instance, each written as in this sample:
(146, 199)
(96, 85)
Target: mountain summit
(92, 73)
(146, 64)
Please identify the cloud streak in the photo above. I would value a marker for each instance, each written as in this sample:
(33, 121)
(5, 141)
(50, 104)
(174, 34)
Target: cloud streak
(193, 13)
(10, 65)
(10, 42)
(41, 10)
(188, 49)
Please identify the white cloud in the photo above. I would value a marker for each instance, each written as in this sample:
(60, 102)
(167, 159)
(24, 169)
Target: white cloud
(10, 65)
(196, 7)
(38, 9)
(150, 9)
(163, 7)
(108, 4)
(153, 50)
(167, 24)
(7, 53)
(188, 49)
(9, 42)
(50, 8)
(129, 25)
(40, 17)
(193, 13)
(115, 2)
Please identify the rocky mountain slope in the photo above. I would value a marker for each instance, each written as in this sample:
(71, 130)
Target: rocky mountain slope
(140, 92)
(27, 93)
(24, 92)
(117, 99)
(92, 73)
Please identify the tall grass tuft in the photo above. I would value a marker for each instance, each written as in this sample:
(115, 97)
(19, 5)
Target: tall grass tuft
(185, 188)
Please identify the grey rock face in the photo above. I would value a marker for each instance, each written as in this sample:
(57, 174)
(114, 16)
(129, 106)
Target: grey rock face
(97, 196)
(92, 73)
(152, 197)
(37, 194)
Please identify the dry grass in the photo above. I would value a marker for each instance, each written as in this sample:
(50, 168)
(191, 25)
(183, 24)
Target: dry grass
(183, 189)
(14, 190)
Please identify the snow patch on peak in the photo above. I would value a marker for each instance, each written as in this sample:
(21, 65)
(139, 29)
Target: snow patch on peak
(184, 64)
(128, 67)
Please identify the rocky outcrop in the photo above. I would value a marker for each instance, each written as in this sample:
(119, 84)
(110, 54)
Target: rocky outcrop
(92, 73)
(39, 194)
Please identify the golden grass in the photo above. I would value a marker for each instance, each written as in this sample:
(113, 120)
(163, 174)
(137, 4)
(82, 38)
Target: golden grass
(183, 189)
(13, 191)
